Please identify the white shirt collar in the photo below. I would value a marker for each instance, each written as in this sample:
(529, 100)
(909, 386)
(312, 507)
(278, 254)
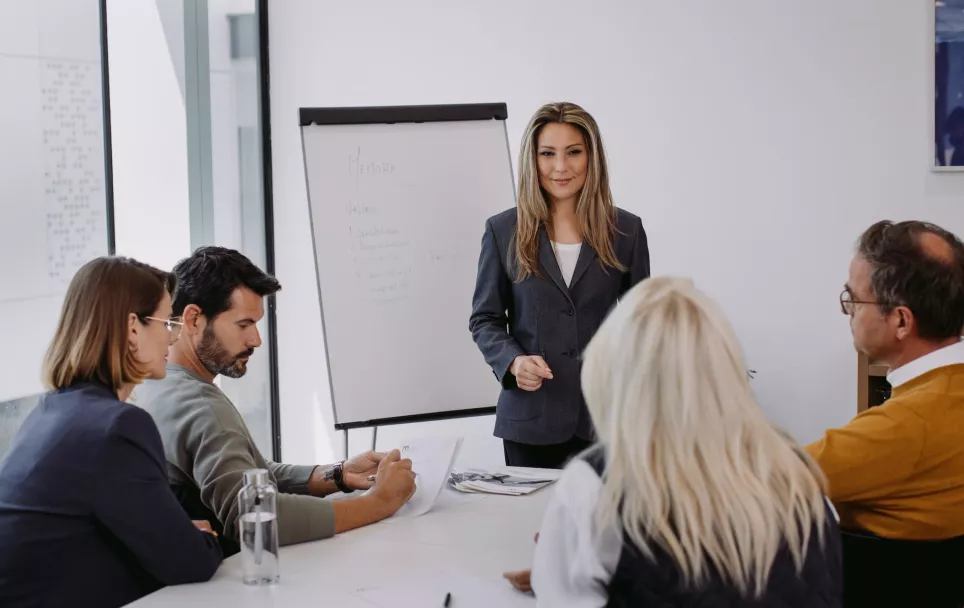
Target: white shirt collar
(942, 357)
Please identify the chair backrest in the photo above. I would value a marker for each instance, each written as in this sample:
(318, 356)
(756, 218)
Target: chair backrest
(888, 572)
(190, 498)
(12, 415)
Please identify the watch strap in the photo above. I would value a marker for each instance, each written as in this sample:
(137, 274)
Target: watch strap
(338, 476)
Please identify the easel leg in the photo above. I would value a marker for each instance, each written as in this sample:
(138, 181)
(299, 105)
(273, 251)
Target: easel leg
(374, 437)
(346, 444)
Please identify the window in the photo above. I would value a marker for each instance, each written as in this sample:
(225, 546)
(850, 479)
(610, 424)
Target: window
(188, 171)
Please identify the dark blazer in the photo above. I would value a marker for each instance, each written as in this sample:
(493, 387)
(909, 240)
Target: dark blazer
(86, 514)
(543, 316)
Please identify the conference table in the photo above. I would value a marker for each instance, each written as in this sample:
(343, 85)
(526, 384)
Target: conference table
(461, 547)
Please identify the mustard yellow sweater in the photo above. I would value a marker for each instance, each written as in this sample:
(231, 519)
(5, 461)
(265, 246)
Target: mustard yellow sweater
(897, 470)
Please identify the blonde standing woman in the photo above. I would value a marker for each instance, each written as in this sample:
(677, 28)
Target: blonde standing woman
(549, 271)
(691, 497)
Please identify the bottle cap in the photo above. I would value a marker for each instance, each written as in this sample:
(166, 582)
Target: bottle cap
(256, 477)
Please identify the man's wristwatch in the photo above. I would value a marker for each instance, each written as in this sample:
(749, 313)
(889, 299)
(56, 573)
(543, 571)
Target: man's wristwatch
(336, 473)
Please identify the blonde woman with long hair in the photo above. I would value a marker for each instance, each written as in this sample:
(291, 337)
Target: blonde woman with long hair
(550, 270)
(691, 497)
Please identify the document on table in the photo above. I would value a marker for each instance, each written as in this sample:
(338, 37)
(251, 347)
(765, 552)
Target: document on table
(432, 460)
(467, 591)
(510, 482)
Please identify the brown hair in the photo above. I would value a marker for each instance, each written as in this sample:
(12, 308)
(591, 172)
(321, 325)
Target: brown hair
(595, 209)
(91, 344)
(904, 273)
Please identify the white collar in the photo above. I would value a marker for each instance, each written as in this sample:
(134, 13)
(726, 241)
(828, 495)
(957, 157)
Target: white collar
(942, 357)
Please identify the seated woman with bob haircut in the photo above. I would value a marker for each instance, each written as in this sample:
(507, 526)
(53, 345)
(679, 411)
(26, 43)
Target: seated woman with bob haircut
(86, 514)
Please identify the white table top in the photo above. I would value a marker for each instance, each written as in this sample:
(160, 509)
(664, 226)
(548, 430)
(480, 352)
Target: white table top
(462, 546)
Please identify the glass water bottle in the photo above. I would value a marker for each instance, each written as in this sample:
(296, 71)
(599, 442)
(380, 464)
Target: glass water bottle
(258, 520)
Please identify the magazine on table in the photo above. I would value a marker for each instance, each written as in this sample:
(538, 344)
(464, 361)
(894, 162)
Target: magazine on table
(508, 481)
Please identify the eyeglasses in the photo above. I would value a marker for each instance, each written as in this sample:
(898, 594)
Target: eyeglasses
(848, 304)
(173, 326)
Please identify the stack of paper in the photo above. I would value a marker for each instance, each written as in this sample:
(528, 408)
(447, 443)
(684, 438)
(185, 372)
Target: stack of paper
(507, 482)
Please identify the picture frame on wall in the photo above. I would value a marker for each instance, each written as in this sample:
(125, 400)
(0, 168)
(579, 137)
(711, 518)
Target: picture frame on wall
(948, 85)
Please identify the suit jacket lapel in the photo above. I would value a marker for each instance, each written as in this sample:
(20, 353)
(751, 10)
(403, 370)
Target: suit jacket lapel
(547, 259)
(586, 257)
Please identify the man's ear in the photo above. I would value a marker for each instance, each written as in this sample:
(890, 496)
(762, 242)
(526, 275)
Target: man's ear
(906, 324)
(194, 319)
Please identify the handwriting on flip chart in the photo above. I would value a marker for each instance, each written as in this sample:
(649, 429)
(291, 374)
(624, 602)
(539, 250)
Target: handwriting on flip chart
(380, 251)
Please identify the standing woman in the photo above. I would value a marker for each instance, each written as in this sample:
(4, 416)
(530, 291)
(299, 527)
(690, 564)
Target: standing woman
(87, 517)
(549, 272)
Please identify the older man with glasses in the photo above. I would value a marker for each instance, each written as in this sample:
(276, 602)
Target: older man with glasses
(897, 470)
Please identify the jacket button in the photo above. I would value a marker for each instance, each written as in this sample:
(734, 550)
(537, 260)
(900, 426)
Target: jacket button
(570, 312)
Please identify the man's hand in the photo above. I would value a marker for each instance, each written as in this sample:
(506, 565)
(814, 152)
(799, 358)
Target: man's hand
(357, 470)
(395, 481)
(394, 486)
(530, 371)
(355, 473)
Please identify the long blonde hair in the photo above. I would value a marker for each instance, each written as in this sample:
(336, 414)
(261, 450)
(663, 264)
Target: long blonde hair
(692, 465)
(594, 209)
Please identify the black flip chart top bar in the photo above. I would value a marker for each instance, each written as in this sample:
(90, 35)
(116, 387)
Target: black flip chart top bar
(431, 417)
(394, 114)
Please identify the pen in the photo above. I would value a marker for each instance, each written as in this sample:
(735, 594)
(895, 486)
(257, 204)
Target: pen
(372, 477)
(448, 600)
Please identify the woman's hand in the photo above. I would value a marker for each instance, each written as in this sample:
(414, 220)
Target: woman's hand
(521, 579)
(530, 371)
(204, 526)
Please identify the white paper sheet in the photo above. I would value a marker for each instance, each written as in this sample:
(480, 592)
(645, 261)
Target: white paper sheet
(432, 459)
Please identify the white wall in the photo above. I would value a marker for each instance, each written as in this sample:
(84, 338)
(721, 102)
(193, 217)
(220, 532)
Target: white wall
(755, 139)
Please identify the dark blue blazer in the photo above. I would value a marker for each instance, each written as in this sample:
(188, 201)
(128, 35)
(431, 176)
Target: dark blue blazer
(544, 316)
(86, 514)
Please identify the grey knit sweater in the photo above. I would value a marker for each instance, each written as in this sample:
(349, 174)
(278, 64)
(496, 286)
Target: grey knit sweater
(207, 444)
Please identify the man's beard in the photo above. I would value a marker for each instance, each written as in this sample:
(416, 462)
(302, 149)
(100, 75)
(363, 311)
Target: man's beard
(219, 361)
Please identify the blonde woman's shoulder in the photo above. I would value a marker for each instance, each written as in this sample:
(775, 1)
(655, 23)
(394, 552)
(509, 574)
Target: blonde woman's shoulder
(625, 216)
(504, 219)
(627, 222)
